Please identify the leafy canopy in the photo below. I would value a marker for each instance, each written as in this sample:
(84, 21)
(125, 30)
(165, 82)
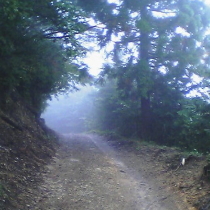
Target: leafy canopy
(158, 48)
(39, 45)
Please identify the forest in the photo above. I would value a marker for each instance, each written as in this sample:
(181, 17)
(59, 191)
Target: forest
(155, 85)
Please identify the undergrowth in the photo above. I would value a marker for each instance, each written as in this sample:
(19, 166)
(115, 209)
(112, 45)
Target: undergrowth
(139, 143)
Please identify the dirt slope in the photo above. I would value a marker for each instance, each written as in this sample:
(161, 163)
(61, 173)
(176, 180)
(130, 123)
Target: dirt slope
(87, 173)
(26, 145)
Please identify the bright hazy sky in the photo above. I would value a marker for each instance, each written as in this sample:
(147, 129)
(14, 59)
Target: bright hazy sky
(207, 1)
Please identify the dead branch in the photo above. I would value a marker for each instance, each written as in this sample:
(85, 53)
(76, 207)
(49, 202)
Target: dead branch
(11, 122)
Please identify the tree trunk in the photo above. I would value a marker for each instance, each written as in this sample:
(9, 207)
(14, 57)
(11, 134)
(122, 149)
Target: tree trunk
(145, 99)
(145, 118)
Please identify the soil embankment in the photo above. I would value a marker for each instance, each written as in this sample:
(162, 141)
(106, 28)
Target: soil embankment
(26, 146)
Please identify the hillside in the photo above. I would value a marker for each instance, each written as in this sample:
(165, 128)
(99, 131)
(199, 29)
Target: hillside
(26, 145)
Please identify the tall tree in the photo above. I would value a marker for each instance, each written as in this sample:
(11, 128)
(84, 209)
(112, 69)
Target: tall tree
(158, 51)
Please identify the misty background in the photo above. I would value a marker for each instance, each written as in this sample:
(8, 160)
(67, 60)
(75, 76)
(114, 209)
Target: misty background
(71, 113)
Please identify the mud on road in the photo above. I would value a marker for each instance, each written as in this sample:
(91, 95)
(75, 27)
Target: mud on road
(89, 174)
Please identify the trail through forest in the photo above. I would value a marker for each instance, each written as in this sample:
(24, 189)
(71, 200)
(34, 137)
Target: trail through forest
(88, 173)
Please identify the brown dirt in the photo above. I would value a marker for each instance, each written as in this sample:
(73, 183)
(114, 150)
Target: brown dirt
(26, 145)
(162, 165)
(89, 172)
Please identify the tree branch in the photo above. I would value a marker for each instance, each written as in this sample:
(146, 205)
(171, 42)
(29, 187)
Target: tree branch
(50, 35)
(11, 122)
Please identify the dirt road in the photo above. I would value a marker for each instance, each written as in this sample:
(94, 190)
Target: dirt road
(88, 174)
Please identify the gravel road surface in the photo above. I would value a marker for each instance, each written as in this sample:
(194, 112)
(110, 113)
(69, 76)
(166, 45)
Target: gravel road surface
(89, 174)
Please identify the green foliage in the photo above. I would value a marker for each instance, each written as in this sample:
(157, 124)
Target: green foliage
(113, 112)
(194, 152)
(38, 46)
(176, 121)
(155, 58)
(194, 125)
(143, 25)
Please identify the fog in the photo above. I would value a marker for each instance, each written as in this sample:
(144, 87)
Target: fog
(69, 113)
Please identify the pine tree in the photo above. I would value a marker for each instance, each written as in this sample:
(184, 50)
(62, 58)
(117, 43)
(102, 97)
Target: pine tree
(159, 47)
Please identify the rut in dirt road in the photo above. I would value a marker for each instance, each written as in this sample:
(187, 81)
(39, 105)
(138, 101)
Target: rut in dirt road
(87, 174)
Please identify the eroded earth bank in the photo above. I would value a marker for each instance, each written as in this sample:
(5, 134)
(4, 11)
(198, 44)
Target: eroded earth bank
(89, 173)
